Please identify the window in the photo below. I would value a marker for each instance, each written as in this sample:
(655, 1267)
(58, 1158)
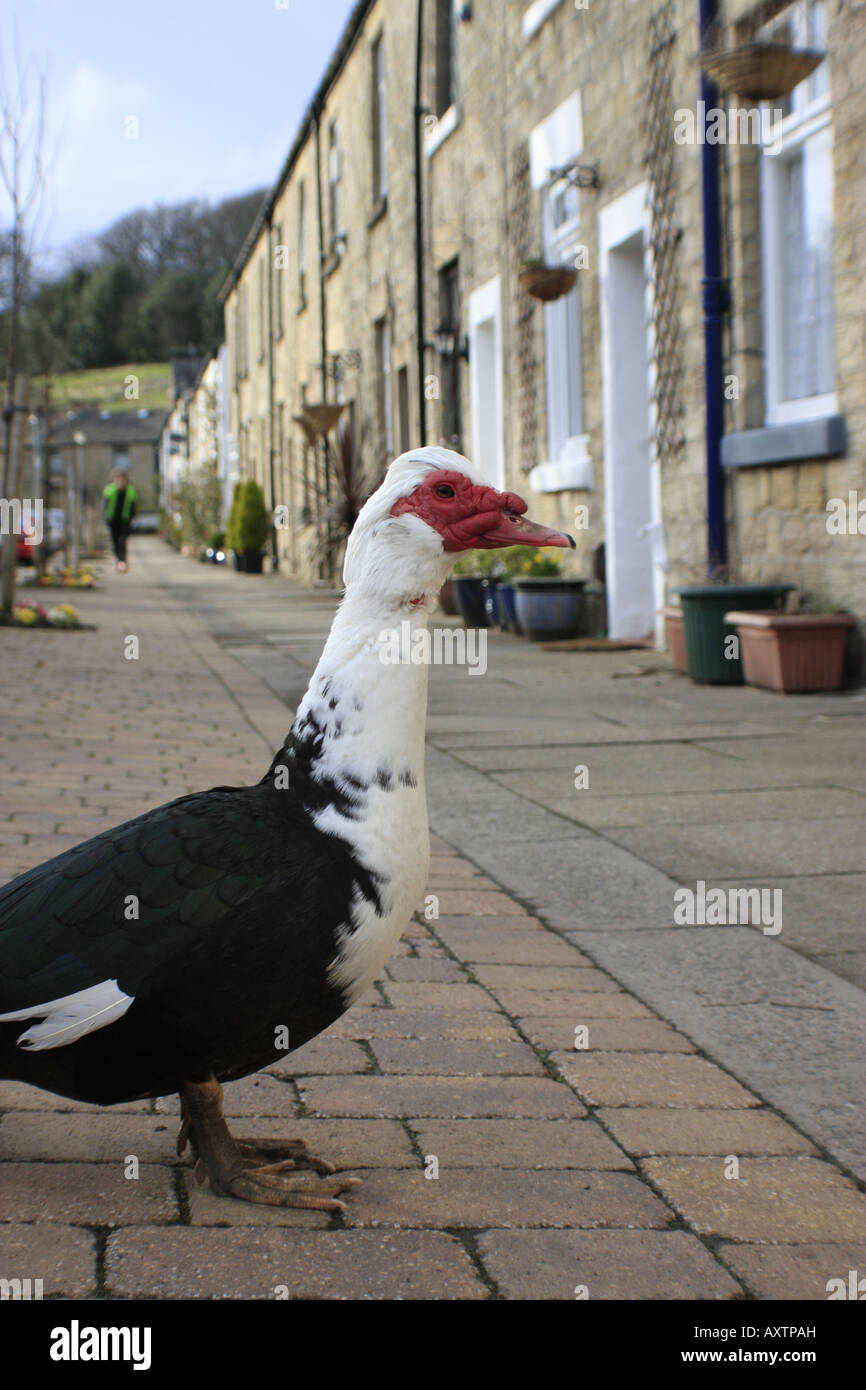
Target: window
(446, 75)
(334, 183)
(797, 216)
(403, 409)
(383, 390)
(262, 307)
(565, 438)
(236, 336)
(278, 267)
(302, 251)
(449, 367)
(378, 123)
(243, 352)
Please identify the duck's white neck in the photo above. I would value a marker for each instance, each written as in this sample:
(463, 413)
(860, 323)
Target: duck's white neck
(360, 726)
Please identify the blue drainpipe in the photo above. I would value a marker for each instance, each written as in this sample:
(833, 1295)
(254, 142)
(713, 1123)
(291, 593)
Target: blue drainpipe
(715, 304)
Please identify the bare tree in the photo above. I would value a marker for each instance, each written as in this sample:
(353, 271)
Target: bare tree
(23, 176)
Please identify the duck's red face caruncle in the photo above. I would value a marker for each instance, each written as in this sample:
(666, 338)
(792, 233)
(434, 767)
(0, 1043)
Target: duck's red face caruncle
(472, 516)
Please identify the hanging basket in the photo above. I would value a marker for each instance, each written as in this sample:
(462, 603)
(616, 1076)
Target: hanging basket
(318, 420)
(760, 71)
(547, 282)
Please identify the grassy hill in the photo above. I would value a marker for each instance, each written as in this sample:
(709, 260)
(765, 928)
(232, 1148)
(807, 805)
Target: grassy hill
(103, 387)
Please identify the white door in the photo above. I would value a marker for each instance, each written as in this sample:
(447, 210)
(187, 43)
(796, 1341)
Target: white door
(633, 543)
(485, 381)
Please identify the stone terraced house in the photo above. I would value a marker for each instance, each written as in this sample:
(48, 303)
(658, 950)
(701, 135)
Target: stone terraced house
(697, 397)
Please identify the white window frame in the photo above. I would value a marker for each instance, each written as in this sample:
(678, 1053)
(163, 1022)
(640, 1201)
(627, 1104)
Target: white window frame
(302, 245)
(383, 335)
(444, 125)
(335, 175)
(536, 14)
(380, 115)
(807, 118)
(563, 368)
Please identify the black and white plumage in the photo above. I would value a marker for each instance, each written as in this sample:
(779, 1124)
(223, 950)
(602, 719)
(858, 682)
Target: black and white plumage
(181, 949)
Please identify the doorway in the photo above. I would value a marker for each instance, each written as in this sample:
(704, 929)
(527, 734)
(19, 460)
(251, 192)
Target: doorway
(634, 542)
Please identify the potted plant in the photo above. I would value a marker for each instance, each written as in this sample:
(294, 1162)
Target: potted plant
(252, 527)
(232, 542)
(511, 562)
(546, 282)
(470, 580)
(216, 548)
(793, 652)
(710, 655)
(549, 605)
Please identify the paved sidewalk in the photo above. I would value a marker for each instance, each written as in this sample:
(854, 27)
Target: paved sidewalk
(608, 1167)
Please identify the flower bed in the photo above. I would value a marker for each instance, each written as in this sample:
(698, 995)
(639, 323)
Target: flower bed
(28, 613)
(62, 579)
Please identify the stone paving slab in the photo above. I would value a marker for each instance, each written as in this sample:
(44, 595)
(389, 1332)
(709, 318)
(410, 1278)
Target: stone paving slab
(604, 1264)
(560, 1168)
(798, 1271)
(62, 1257)
(255, 1263)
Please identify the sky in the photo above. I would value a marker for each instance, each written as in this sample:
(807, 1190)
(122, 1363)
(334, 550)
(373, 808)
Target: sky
(217, 88)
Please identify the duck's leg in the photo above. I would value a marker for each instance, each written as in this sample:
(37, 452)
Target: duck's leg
(255, 1170)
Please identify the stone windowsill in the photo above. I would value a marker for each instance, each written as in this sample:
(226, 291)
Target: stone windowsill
(379, 212)
(445, 125)
(790, 443)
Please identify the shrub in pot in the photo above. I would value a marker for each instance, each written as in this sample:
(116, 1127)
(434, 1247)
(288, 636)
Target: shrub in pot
(708, 649)
(252, 526)
(232, 542)
(549, 605)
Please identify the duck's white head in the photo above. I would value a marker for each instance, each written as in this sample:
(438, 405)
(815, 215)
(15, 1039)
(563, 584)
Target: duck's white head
(431, 505)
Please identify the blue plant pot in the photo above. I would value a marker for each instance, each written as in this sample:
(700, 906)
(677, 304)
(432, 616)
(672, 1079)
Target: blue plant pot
(507, 610)
(549, 610)
(469, 596)
(491, 602)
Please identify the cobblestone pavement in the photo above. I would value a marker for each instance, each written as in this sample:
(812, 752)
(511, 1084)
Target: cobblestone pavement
(609, 1166)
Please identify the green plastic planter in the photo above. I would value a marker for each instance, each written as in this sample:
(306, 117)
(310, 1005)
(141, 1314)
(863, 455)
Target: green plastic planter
(704, 607)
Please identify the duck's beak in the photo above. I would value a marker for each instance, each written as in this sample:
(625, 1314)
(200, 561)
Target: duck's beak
(514, 529)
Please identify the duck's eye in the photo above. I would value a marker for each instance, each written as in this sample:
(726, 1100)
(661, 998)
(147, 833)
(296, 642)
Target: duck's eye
(444, 490)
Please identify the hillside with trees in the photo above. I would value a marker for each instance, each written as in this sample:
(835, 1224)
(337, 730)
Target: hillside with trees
(143, 287)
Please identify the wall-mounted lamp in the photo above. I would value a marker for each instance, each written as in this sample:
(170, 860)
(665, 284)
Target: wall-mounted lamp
(577, 175)
(446, 343)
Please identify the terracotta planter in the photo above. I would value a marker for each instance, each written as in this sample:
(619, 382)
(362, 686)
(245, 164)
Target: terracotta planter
(447, 601)
(792, 652)
(676, 637)
(547, 282)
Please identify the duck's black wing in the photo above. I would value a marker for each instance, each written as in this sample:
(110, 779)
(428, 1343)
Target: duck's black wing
(217, 914)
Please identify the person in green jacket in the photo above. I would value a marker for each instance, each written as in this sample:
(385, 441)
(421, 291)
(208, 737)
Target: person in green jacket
(119, 509)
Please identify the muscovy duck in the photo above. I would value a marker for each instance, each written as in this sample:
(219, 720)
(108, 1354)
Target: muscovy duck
(203, 940)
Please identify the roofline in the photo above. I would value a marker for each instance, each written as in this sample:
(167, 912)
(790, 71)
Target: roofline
(354, 25)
